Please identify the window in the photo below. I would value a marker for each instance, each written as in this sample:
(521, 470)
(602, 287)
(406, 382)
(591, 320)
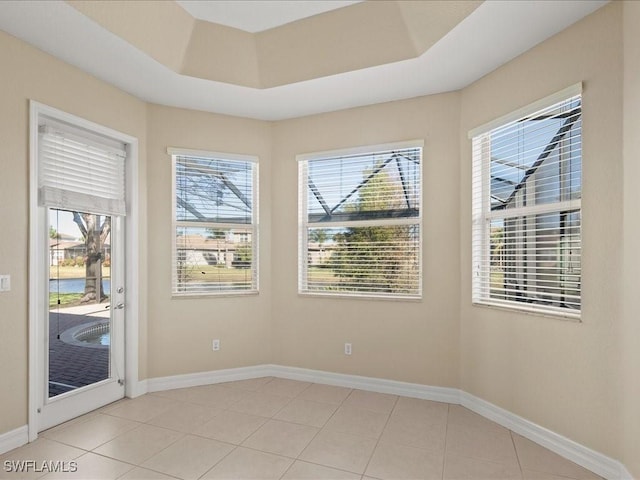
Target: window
(527, 189)
(360, 222)
(215, 223)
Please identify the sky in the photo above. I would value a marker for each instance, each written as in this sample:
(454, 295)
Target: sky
(63, 222)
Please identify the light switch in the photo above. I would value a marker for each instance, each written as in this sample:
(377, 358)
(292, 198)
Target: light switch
(5, 283)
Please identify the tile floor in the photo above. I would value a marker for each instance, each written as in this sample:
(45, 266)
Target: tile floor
(271, 428)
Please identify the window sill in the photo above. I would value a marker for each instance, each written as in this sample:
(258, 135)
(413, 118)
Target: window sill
(189, 296)
(567, 316)
(346, 296)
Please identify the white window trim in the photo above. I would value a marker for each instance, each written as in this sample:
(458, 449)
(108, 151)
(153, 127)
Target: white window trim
(481, 212)
(304, 224)
(174, 152)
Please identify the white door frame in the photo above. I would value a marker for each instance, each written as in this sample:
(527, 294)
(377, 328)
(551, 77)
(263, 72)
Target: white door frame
(37, 279)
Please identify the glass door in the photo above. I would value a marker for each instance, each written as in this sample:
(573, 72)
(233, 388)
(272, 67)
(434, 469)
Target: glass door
(83, 342)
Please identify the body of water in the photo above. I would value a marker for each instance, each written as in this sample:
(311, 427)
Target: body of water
(98, 339)
(75, 285)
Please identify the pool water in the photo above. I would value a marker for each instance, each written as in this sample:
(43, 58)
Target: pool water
(97, 338)
(74, 285)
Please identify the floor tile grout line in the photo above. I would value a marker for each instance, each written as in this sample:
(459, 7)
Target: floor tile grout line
(135, 424)
(373, 452)
(446, 433)
(230, 443)
(410, 445)
(148, 458)
(480, 458)
(294, 396)
(118, 460)
(274, 419)
(321, 429)
(182, 436)
(281, 408)
(252, 433)
(540, 471)
(219, 461)
(98, 446)
(322, 465)
(515, 448)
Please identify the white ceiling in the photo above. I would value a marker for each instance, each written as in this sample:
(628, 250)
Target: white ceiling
(256, 16)
(493, 34)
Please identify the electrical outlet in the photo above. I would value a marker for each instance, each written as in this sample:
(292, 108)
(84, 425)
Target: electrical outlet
(347, 349)
(215, 345)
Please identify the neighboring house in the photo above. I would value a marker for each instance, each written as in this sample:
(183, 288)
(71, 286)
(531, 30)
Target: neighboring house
(320, 253)
(61, 249)
(199, 250)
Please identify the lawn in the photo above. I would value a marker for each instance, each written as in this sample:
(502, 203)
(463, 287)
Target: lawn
(69, 299)
(214, 273)
(73, 272)
(322, 275)
(66, 299)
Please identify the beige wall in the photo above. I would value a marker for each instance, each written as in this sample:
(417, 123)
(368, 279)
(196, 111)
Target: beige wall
(630, 333)
(180, 329)
(30, 74)
(577, 379)
(559, 374)
(407, 341)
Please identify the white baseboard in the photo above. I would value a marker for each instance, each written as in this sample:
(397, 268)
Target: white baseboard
(136, 389)
(14, 439)
(207, 378)
(590, 459)
(438, 394)
(625, 474)
(596, 462)
(415, 390)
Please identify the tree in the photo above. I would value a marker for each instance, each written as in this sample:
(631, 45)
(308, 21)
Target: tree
(95, 230)
(53, 233)
(243, 255)
(319, 236)
(376, 258)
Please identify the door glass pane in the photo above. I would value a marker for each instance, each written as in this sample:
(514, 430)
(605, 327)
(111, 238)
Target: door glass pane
(79, 300)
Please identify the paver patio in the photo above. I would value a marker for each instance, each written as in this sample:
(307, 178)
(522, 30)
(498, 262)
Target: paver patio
(73, 366)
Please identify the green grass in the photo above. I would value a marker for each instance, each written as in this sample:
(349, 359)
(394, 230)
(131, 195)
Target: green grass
(496, 278)
(214, 273)
(73, 272)
(325, 275)
(66, 299)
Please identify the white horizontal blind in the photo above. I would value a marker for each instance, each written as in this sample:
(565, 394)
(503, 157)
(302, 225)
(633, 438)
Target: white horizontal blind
(215, 218)
(80, 172)
(360, 224)
(527, 190)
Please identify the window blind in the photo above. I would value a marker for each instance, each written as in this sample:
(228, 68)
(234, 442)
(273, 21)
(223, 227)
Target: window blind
(81, 172)
(527, 190)
(215, 217)
(360, 223)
